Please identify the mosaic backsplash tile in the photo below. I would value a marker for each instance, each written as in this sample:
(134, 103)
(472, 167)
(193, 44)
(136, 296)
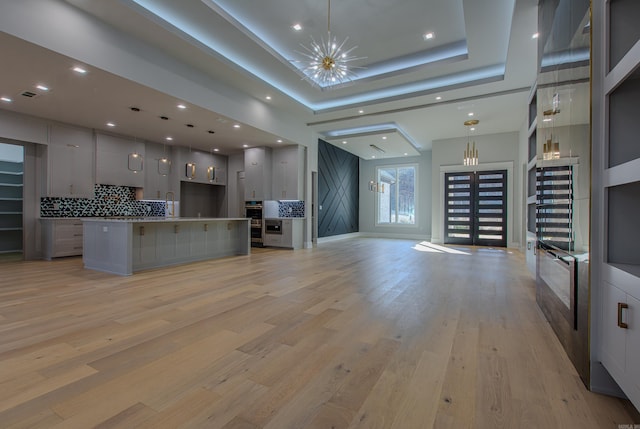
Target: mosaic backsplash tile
(108, 201)
(290, 208)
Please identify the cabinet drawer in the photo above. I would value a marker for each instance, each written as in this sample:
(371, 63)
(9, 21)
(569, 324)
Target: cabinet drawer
(62, 237)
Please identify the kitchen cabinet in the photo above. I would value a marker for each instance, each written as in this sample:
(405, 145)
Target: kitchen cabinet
(157, 172)
(291, 234)
(288, 173)
(621, 338)
(202, 167)
(616, 191)
(257, 174)
(120, 161)
(70, 162)
(61, 237)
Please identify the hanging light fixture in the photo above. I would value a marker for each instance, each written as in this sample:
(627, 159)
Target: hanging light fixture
(470, 153)
(326, 62)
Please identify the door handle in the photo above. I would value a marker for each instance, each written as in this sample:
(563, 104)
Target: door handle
(622, 306)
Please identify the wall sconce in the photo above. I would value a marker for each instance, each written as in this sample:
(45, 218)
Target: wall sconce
(135, 162)
(211, 173)
(470, 153)
(190, 171)
(376, 186)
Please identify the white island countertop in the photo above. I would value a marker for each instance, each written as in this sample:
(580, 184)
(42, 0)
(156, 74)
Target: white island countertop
(123, 245)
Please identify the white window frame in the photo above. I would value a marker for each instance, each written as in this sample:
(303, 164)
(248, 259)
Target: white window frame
(415, 197)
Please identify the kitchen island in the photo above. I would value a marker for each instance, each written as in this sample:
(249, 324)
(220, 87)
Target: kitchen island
(124, 245)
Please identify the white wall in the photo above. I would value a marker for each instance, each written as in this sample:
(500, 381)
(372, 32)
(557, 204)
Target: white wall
(422, 229)
(496, 151)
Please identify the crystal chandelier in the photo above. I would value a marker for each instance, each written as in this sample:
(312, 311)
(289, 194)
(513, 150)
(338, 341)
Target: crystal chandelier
(470, 153)
(326, 62)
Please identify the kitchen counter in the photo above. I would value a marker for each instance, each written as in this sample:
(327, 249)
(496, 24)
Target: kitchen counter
(288, 232)
(123, 245)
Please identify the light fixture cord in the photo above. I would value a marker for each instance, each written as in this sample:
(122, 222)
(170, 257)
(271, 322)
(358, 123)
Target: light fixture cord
(329, 18)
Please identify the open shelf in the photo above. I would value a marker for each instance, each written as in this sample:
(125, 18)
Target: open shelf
(623, 234)
(624, 111)
(624, 31)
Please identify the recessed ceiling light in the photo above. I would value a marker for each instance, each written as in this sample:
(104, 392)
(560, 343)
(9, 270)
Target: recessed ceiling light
(297, 27)
(472, 128)
(361, 111)
(169, 138)
(405, 154)
(428, 36)
(79, 70)
(216, 150)
(373, 156)
(470, 114)
(110, 124)
(236, 125)
(438, 98)
(268, 97)
(279, 141)
(384, 137)
(344, 142)
(535, 35)
(6, 99)
(245, 145)
(181, 106)
(42, 87)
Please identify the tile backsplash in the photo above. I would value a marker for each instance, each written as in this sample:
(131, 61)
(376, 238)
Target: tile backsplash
(108, 201)
(290, 208)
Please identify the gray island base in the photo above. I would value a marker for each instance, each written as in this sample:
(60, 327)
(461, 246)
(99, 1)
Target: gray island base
(126, 245)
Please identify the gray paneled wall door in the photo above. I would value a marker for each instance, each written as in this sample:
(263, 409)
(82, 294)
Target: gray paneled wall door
(338, 194)
(476, 208)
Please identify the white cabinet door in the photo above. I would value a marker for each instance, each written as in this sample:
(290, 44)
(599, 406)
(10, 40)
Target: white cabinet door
(613, 337)
(633, 347)
(257, 173)
(119, 161)
(70, 158)
(288, 178)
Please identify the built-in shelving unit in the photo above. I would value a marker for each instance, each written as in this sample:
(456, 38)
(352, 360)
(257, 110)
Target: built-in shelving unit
(617, 189)
(11, 194)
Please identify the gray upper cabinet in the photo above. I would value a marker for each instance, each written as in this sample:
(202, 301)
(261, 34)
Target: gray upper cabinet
(70, 162)
(288, 173)
(120, 161)
(201, 167)
(157, 171)
(257, 174)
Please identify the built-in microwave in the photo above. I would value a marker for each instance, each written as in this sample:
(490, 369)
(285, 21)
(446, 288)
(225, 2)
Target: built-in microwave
(272, 226)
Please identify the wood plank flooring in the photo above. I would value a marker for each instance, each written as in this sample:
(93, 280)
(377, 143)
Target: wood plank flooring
(357, 333)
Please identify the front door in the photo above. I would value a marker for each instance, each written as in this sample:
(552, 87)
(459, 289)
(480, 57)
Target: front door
(476, 208)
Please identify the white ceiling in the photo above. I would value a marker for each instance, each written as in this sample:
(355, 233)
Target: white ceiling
(481, 60)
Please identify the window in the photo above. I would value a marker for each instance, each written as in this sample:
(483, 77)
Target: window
(396, 196)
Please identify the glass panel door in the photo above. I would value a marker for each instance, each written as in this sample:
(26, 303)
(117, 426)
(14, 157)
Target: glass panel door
(476, 208)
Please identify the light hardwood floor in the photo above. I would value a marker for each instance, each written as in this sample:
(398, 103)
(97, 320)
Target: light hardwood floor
(358, 333)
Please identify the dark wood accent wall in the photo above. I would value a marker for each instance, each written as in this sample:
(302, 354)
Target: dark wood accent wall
(338, 194)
